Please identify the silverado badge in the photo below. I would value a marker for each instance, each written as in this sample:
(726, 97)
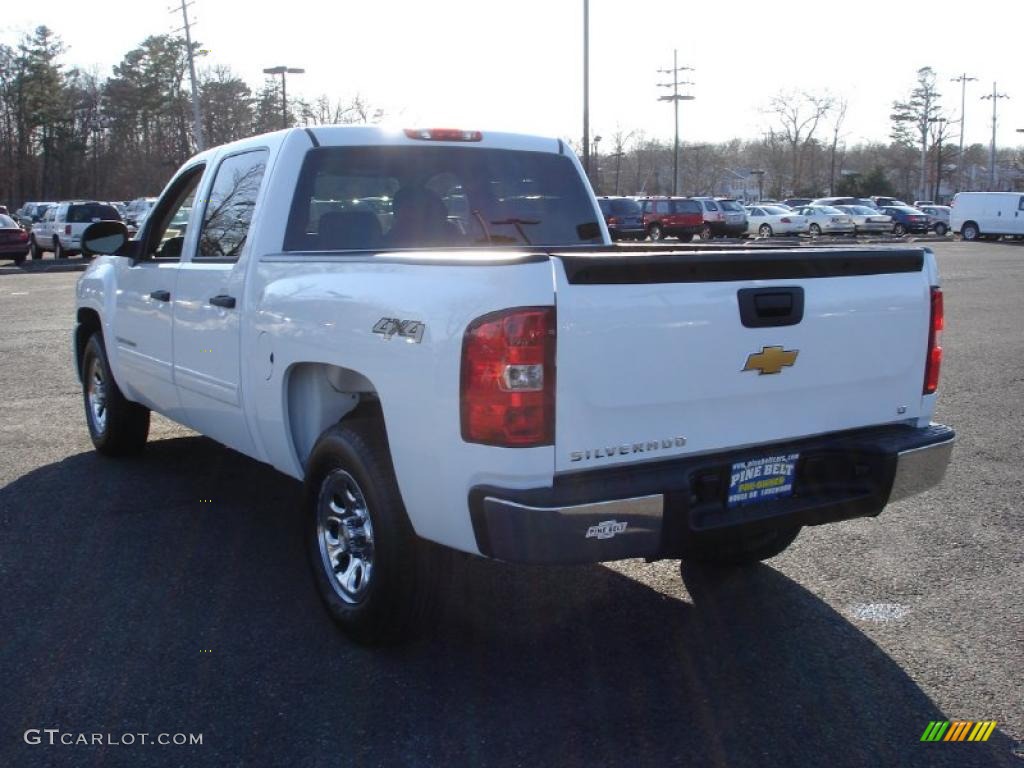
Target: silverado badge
(771, 360)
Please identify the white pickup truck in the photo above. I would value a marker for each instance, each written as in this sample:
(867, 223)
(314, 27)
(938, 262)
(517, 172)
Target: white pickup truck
(432, 330)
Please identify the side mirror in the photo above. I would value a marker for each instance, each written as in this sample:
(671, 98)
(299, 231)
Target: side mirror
(104, 237)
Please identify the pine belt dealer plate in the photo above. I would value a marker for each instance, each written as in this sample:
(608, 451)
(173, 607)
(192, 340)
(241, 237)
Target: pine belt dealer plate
(763, 479)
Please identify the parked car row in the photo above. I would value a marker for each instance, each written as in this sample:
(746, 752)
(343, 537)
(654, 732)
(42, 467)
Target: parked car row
(640, 218)
(38, 227)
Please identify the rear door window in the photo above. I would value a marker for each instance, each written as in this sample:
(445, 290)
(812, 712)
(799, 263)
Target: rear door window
(229, 209)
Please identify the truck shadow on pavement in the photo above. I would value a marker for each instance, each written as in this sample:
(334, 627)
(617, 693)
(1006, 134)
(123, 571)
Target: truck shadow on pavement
(170, 593)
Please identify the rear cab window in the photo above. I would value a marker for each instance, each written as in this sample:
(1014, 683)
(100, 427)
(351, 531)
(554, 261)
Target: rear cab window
(385, 197)
(710, 205)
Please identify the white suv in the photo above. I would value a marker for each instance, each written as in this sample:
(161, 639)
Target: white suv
(60, 229)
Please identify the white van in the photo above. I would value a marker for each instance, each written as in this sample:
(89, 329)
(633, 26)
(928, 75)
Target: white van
(984, 214)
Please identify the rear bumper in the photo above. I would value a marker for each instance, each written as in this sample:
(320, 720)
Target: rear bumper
(661, 509)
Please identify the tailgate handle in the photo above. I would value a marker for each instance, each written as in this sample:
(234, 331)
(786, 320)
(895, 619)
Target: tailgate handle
(771, 307)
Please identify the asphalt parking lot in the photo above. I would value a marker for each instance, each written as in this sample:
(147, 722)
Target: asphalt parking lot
(131, 606)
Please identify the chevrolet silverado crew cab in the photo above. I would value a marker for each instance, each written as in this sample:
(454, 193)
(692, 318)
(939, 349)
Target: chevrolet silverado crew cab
(432, 330)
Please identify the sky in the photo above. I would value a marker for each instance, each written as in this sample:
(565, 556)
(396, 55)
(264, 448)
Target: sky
(517, 66)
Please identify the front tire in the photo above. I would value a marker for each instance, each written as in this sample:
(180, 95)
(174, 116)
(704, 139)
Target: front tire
(970, 231)
(655, 233)
(899, 230)
(377, 580)
(815, 230)
(117, 426)
(706, 233)
(742, 549)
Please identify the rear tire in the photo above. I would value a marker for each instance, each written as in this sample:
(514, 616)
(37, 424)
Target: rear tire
(941, 229)
(117, 426)
(34, 248)
(764, 230)
(970, 231)
(377, 580)
(58, 250)
(742, 549)
(19, 260)
(899, 230)
(706, 233)
(815, 230)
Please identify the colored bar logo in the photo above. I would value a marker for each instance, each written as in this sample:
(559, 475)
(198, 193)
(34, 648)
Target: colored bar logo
(958, 730)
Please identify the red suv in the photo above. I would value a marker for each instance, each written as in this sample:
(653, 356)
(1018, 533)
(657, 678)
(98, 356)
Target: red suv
(671, 217)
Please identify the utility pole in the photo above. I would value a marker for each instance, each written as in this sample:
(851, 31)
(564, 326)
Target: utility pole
(995, 96)
(283, 72)
(197, 114)
(675, 98)
(963, 79)
(586, 87)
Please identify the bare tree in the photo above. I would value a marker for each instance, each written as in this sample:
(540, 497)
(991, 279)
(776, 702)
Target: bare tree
(911, 119)
(798, 115)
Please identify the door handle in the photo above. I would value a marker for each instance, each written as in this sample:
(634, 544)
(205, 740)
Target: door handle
(160, 295)
(228, 302)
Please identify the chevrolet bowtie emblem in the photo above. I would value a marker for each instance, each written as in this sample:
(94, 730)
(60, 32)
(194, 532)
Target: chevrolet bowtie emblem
(771, 360)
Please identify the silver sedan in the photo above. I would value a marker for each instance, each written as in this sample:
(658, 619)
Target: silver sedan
(866, 220)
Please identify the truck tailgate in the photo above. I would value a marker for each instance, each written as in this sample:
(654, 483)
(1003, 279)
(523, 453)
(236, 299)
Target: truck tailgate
(656, 358)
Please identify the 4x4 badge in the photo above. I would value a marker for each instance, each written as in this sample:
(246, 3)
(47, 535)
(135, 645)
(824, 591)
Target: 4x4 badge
(410, 330)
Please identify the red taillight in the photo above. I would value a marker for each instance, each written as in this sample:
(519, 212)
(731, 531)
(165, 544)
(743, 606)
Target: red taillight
(67, 229)
(22, 236)
(443, 134)
(612, 221)
(508, 378)
(934, 360)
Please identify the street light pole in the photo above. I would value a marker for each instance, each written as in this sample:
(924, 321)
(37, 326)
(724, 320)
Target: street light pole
(759, 172)
(963, 79)
(586, 87)
(283, 72)
(995, 96)
(675, 98)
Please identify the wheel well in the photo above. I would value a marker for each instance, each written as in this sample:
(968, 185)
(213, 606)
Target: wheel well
(318, 396)
(88, 324)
